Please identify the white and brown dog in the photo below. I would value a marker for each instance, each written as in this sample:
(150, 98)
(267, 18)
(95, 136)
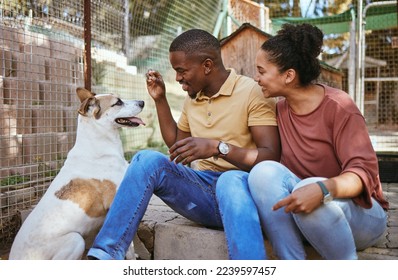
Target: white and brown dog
(75, 204)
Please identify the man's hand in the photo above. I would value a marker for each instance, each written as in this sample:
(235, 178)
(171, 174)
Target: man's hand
(155, 84)
(189, 149)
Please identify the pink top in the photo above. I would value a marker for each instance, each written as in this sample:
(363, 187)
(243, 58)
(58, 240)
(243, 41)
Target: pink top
(330, 140)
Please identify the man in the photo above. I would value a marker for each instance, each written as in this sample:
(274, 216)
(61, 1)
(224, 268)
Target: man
(226, 124)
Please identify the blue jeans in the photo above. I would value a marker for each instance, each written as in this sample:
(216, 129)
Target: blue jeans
(190, 193)
(336, 230)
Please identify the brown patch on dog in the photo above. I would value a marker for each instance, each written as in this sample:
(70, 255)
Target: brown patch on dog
(104, 104)
(92, 195)
(100, 104)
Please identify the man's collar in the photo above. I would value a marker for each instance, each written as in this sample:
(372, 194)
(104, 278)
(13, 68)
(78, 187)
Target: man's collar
(226, 89)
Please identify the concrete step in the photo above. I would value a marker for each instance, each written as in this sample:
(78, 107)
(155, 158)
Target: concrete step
(169, 236)
(166, 235)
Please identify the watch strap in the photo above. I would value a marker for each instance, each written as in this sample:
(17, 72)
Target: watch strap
(327, 197)
(323, 188)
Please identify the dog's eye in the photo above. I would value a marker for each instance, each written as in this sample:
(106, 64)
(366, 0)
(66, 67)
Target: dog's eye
(119, 102)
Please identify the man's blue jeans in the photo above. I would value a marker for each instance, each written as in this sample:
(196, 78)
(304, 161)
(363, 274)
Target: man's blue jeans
(336, 230)
(213, 199)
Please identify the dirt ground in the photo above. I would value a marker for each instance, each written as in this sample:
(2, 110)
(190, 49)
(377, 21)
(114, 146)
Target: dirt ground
(3, 255)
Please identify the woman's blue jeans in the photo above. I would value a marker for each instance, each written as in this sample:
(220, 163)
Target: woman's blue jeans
(213, 199)
(336, 230)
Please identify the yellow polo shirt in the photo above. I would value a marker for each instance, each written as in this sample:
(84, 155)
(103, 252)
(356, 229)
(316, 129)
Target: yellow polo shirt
(227, 116)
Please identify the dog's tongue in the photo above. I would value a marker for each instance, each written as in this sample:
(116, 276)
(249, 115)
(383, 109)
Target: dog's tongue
(136, 120)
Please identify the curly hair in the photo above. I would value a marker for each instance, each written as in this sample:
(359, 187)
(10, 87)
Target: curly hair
(296, 47)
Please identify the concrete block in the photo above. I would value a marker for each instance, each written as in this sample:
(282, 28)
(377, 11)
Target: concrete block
(70, 119)
(66, 141)
(24, 119)
(393, 237)
(8, 121)
(23, 194)
(74, 100)
(47, 119)
(10, 151)
(4, 170)
(392, 198)
(21, 61)
(20, 92)
(8, 60)
(25, 213)
(36, 44)
(67, 95)
(9, 85)
(41, 172)
(373, 253)
(9, 37)
(31, 170)
(63, 71)
(1, 90)
(35, 67)
(28, 66)
(141, 250)
(175, 237)
(55, 94)
(15, 120)
(3, 201)
(24, 37)
(39, 147)
(189, 242)
(25, 66)
(63, 50)
(393, 218)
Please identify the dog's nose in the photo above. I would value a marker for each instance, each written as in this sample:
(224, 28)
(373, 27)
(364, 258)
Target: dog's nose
(141, 103)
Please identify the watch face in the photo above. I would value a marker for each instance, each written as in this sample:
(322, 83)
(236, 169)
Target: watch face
(223, 148)
(327, 198)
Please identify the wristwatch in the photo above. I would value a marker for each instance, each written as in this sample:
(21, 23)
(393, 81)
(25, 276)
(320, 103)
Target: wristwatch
(327, 197)
(223, 148)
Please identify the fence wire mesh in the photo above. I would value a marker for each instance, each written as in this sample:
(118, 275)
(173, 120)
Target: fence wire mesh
(42, 64)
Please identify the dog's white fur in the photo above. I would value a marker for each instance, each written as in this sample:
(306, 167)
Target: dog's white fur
(75, 204)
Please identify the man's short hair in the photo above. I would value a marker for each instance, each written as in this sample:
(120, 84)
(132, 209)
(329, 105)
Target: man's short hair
(194, 41)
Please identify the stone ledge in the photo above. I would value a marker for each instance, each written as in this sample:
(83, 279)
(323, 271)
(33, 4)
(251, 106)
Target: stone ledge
(167, 235)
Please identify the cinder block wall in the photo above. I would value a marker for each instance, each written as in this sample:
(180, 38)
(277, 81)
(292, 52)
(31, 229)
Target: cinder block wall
(37, 98)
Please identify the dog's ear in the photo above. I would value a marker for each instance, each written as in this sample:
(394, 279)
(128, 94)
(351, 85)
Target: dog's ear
(84, 94)
(85, 105)
(97, 110)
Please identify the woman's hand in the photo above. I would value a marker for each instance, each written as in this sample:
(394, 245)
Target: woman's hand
(303, 200)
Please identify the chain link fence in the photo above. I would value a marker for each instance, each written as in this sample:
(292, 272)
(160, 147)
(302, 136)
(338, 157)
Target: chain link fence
(42, 64)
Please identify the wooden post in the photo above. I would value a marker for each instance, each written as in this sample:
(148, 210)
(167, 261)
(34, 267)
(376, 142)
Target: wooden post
(87, 44)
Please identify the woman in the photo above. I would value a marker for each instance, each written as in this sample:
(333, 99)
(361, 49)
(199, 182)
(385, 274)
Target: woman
(326, 189)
